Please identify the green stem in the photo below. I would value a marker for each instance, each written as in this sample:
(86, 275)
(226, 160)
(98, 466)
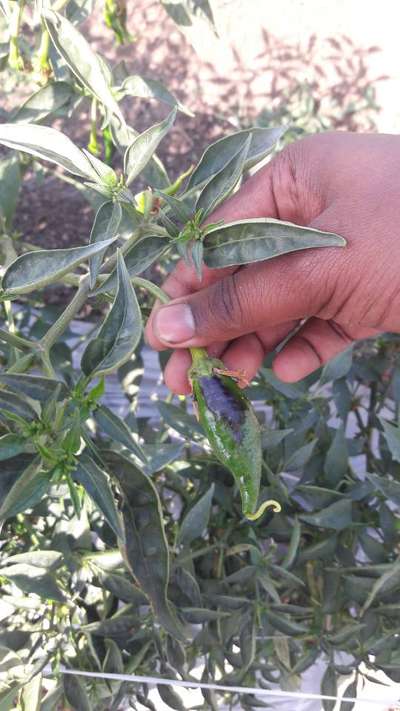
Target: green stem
(15, 59)
(58, 328)
(22, 364)
(17, 341)
(93, 145)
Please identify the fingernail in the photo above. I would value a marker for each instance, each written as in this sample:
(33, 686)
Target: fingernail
(174, 324)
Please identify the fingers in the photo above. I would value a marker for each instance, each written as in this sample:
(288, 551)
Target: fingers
(315, 343)
(245, 355)
(261, 295)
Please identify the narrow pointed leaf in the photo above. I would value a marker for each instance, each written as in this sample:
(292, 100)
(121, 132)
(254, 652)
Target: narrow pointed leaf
(16, 405)
(221, 185)
(75, 693)
(98, 487)
(105, 227)
(11, 445)
(36, 387)
(392, 436)
(337, 516)
(154, 172)
(10, 181)
(259, 239)
(146, 548)
(147, 88)
(216, 156)
(196, 520)
(27, 491)
(80, 58)
(120, 332)
(36, 270)
(48, 100)
(139, 258)
(141, 150)
(48, 144)
(117, 429)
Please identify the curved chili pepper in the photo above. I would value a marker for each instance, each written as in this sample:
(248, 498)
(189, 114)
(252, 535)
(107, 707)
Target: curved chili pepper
(231, 427)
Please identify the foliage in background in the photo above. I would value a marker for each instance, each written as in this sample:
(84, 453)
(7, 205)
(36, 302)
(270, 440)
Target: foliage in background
(123, 547)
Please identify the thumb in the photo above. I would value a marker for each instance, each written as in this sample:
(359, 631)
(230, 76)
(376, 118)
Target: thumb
(287, 288)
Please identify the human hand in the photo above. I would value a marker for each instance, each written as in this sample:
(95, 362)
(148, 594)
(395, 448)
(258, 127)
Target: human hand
(337, 182)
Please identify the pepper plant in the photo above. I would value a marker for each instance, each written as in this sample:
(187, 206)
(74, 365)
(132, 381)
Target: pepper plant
(125, 544)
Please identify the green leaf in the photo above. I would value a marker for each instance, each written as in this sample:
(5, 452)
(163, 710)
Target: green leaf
(160, 455)
(178, 207)
(392, 436)
(329, 688)
(36, 270)
(87, 66)
(32, 579)
(122, 588)
(113, 662)
(388, 487)
(196, 520)
(146, 548)
(285, 624)
(220, 186)
(117, 430)
(52, 699)
(31, 694)
(10, 181)
(34, 386)
(140, 151)
(388, 581)
(218, 154)
(170, 697)
(105, 228)
(154, 173)
(27, 491)
(200, 615)
(8, 697)
(337, 367)
(43, 559)
(48, 144)
(11, 445)
(177, 418)
(337, 516)
(75, 693)
(141, 255)
(145, 88)
(291, 553)
(272, 438)
(336, 460)
(13, 404)
(299, 458)
(119, 333)
(48, 100)
(247, 241)
(98, 487)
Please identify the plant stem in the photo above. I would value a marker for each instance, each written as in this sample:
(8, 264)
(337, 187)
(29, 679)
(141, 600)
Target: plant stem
(58, 328)
(152, 288)
(15, 59)
(17, 341)
(93, 145)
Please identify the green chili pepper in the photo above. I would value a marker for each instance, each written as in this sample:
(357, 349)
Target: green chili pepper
(232, 428)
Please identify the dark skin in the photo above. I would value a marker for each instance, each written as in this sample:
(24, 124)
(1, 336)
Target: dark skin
(339, 182)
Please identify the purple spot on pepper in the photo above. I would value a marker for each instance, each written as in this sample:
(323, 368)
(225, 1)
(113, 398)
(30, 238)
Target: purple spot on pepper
(223, 403)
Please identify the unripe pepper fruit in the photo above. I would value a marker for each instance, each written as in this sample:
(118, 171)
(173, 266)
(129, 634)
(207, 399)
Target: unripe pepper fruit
(231, 426)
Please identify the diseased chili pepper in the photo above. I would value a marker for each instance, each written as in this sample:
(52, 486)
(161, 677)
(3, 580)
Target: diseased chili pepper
(231, 426)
